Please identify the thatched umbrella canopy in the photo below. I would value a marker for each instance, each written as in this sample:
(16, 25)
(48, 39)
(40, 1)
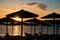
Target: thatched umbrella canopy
(34, 22)
(1, 23)
(6, 21)
(52, 21)
(22, 14)
(53, 15)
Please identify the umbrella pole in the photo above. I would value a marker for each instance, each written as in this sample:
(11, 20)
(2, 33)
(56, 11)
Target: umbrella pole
(41, 29)
(7, 29)
(12, 30)
(21, 28)
(47, 29)
(34, 29)
(31, 28)
(54, 27)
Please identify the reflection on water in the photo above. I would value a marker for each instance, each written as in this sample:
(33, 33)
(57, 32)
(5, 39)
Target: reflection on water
(16, 30)
(27, 29)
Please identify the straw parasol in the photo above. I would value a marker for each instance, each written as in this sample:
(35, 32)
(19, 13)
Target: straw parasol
(35, 22)
(53, 15)
(22, 14)
(6, 21)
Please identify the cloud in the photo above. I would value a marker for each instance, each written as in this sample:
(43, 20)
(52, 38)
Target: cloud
(32, 3)
(40, 5)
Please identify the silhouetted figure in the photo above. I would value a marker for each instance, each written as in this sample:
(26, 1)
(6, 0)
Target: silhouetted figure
(17, 37)
(40, 33)
(40, 36)
(28, 36)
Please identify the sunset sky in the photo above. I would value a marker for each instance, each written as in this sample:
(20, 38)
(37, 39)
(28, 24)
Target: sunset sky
(40, 7)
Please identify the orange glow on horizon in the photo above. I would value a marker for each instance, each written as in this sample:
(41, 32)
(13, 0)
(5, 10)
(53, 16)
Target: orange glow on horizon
(16, 30)
(9, 9)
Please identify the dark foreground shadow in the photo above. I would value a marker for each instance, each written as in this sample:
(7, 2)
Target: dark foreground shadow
(32, 37)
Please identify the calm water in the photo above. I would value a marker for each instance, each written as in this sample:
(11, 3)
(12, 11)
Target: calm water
(27, 29)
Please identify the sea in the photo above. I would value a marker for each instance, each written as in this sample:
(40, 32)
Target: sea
(26, 29)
